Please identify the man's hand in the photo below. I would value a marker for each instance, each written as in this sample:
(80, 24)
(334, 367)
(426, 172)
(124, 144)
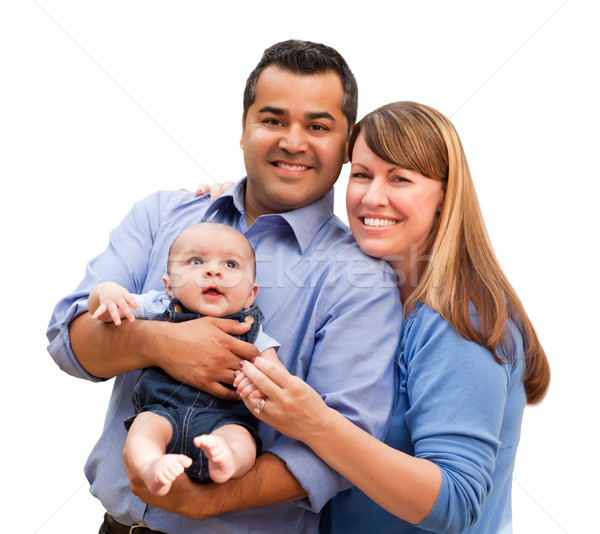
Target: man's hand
(201, 353)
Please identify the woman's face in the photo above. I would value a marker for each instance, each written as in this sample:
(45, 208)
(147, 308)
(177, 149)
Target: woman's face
(391, 210)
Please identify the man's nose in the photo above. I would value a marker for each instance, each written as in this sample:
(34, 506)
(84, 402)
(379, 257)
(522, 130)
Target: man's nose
(293, 140)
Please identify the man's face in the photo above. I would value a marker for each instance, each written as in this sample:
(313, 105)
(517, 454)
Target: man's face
(294, 140)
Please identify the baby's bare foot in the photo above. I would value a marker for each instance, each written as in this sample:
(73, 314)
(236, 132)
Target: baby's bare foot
(221, 460)
(161, 473)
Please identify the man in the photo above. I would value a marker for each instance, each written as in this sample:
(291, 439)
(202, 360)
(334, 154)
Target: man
(333, 309)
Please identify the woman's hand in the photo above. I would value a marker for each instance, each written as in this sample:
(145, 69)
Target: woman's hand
(215, 190)
(291, 406)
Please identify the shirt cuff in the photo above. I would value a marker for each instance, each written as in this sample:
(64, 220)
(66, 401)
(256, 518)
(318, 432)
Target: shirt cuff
(315, 476)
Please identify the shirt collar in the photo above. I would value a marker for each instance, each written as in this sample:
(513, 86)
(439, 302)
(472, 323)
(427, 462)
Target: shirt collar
(305, 222)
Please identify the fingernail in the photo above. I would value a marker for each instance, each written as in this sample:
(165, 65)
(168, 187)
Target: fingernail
(242, 362)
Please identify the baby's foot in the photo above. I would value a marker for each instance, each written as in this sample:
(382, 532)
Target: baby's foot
(161, 473)
(221, 460)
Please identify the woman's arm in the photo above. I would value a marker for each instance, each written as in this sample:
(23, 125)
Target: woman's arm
(405, 486)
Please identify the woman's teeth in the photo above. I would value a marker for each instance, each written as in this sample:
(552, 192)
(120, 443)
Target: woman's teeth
(369, 221)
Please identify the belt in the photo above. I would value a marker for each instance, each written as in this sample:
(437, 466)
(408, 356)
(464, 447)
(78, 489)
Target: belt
(112, 526)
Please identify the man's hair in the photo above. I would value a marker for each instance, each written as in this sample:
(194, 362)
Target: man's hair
(306, 57)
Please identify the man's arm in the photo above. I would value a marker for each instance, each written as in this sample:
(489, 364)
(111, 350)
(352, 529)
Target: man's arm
(200, 352)
(268, 482)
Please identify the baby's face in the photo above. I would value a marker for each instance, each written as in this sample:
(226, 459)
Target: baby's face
(211, 271)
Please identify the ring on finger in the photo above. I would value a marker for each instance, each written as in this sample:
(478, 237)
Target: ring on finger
(260, 405)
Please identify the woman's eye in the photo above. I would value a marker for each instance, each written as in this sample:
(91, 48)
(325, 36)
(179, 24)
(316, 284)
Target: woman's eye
(361, 176)
(400, 179)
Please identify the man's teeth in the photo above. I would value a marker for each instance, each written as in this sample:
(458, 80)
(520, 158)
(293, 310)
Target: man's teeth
(369, 221)
(292, 167)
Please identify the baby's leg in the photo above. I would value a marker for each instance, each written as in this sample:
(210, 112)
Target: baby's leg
(231, 451)
(145, 446)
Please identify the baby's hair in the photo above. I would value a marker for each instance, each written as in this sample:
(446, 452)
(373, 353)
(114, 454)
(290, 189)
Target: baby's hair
(221, 228)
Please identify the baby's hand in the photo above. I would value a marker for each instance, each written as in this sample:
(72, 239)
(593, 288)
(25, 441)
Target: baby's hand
(245, 387)
(114, 303)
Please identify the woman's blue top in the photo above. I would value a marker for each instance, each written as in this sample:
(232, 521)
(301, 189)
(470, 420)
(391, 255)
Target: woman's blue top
(458, 408)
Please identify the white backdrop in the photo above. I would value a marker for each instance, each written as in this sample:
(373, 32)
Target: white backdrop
(104, 102)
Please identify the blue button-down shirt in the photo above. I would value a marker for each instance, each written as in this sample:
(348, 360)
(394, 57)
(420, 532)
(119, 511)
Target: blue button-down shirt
(335, 311)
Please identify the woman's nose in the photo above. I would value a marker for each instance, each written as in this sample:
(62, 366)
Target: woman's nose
(376, 195)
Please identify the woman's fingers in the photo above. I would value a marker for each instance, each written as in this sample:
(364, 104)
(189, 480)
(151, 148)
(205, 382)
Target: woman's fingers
(260, 380)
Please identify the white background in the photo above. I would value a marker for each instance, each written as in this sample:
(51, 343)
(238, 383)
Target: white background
(105, 102)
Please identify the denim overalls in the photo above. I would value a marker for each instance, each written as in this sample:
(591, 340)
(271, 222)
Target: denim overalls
(190, 411)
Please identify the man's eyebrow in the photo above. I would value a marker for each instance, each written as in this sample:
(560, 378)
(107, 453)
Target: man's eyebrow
(315, 115)
(273, 110)
(312, 115)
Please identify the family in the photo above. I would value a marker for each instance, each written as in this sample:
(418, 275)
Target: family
(390, 395)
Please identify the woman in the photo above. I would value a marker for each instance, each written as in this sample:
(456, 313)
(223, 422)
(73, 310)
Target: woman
(468, 361)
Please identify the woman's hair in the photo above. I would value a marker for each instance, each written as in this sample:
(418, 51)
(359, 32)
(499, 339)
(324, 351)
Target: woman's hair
(462, 278)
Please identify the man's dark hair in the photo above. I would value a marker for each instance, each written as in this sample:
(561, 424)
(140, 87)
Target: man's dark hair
(305, 57)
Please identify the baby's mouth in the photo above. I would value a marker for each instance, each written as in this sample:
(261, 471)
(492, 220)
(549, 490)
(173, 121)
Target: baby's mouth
(212, 291)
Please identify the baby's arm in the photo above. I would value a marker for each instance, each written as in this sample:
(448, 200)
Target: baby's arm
(109, 302)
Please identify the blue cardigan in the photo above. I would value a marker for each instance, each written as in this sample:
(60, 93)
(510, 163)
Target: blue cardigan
(460, 409)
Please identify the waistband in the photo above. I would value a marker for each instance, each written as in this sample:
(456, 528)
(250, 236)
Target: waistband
(112, 526)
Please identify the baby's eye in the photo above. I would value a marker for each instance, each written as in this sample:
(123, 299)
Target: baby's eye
(196, 261)
(231, 264)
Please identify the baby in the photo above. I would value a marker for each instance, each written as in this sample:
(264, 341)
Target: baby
(177, 428)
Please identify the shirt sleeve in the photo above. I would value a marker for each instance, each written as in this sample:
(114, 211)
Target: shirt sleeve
(125, 261)
(457, 394)
(263, 341)
(152, 304)
(352, 367)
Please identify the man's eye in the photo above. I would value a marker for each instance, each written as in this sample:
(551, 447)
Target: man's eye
(196, 261)
(231, 264)
(318, 127)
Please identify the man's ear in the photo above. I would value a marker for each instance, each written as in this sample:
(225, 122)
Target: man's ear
(167, 283)
(243, 130)
(347, 154)
(252, 296)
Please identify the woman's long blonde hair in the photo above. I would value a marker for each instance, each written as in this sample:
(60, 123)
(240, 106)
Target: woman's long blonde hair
(463, 276)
